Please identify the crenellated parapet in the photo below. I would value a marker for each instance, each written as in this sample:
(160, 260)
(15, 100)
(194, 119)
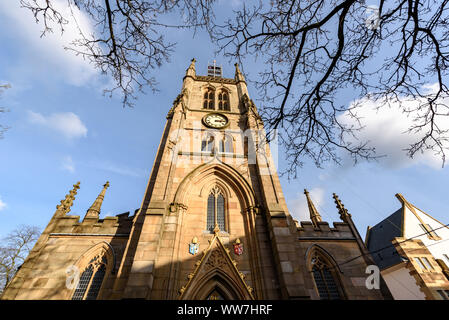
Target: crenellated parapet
(319, 229)
(307, 229)
(119, 224)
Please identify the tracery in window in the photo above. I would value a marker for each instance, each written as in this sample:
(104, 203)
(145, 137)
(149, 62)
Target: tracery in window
(209, 100)
(91, 279)
(223, 101)
(216, 210)
(325, 279)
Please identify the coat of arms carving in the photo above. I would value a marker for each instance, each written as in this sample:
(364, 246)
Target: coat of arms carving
(238, 247)
(194, 246)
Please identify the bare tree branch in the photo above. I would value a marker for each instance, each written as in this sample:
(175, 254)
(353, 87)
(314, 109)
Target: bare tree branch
(315, 50)
(127, 40)
(14, 250)
(311, 52)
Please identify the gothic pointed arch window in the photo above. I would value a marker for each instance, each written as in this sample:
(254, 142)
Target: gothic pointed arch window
(325, 277)
(209, 99)
(208, 143)
(91, 279)
(216, 210)
(223, 100)
(226, 144)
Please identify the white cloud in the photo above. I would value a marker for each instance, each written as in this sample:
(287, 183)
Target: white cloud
(299, 208)
(2, 204)
(118, 169)
(385, 127)
(47, 54)
(66, 123)
(68, 164)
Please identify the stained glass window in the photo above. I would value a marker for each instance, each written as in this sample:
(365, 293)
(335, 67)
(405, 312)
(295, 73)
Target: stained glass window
(216, 210)
(83, 283)
(91, 280)
(325, 281)
(211, 212)
(220, 212)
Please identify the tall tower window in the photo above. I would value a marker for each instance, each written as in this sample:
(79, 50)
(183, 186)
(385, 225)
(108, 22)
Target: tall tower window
(91, 279)
(216, 210)
(209, 100)
(223, 101)
(207, 145)
(325, 279)
(226, 144)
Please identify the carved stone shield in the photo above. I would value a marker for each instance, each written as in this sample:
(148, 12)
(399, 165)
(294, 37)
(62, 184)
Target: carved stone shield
(193, 248)
(238, 248)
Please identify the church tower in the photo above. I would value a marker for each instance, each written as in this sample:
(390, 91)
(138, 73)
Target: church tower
(213, 187)
(213, 222)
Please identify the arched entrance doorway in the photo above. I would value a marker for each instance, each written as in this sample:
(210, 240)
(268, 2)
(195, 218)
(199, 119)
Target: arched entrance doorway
(216, 277)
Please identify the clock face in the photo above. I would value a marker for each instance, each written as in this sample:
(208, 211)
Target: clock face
(215, 120)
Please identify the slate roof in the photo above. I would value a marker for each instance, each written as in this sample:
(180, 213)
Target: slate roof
(379, 240)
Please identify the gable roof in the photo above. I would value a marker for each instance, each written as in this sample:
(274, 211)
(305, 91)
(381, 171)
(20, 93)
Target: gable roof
(379, 240)
(379, 237)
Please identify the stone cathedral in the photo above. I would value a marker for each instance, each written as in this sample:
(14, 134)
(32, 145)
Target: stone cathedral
(213, 223)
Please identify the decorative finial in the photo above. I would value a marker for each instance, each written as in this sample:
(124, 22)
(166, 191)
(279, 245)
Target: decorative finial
(315, 217)
(67, 203)
(94, 210)
(191, 69)
(238, 74)
(192, 64)
(344, 214)
(216, 229)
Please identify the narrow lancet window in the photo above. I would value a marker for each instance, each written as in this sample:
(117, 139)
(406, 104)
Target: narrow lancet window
(216, 210)
(209, 100)
(207, 144)
(226, 144)
(223, 101)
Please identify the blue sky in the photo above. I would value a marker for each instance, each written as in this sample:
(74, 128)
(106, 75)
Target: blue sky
(63, 130)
